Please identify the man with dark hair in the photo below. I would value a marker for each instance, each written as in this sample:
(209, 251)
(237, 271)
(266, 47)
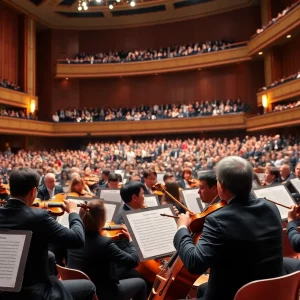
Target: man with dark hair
(240, 242)
(104, 177)
(169, 177)
(208, 187)
(17, 214)
(112, 181)
(272, 176)
(150, 177)
(133, 196)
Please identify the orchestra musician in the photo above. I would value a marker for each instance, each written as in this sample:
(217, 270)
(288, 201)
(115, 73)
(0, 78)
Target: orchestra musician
(78, 186)
(47, 190)
(186, 176)
(235, 252)
(297, 170)
(169, 177)
(132, 195)
(17, 215)
(272, 176)
(285, 173)
(208, 190)
(173, 189)
(4, 193)
(112, 181)
(150, 177)
(98, 256)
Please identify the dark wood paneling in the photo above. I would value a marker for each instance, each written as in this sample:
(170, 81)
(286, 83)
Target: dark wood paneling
(65, 43)
(238, 25)
(239, 80)
(8, 44)
(21, 52)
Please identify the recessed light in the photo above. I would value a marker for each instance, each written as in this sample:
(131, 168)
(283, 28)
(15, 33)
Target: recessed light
(111, 6)
(260, 53)
(199, 69)
(156, 74)
(288, 36)
(67, 78)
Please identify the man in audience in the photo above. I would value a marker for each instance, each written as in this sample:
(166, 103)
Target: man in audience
(285, 173)
(47, 190)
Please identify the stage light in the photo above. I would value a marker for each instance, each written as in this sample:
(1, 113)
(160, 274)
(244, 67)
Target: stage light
(132, 3)
(118, 0)
(264, 101)
(32, 106)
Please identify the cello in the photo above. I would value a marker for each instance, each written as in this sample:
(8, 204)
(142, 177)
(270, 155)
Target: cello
(174, 281)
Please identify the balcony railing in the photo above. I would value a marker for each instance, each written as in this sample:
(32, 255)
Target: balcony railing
(236, 53)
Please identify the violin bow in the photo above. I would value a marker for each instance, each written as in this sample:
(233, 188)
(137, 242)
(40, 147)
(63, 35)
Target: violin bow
(282, 205)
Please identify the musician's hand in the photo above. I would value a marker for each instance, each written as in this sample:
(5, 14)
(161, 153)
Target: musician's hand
(176, 210)
(126, 233)
(184, 220)
(292, 214)
(70, 206)
(144, 206)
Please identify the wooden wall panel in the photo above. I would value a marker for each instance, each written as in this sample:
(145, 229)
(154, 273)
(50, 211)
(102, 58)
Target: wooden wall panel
(239, 80)
(8, 44)
(238, 25)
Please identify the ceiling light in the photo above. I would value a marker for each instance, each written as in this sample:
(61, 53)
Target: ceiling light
(67, 78)
(199, 69)
(79, 8)
(260, 53)
(98, 1)
(288, 36)
(83, 3)
(111, 6)
(118, 0)
(85, 8)
(132, 3)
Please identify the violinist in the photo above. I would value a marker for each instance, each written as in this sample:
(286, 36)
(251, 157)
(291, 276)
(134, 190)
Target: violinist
(169, 177)
(17, 215)
(78, 186)
(4, 192)
(272, 176)
(132, 195)
(150, 178)
(240, 243)
(285, 173)
(104, 177)
(297, 170)
(47, 190)
(186, 177)
(112, 181)
(173, 189)
(98, 256)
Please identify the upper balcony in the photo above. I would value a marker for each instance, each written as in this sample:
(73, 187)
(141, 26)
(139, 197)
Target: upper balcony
(236, 53)
(14, 98)
(273, 34)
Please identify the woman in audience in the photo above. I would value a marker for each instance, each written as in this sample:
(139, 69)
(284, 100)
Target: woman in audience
(100, 254)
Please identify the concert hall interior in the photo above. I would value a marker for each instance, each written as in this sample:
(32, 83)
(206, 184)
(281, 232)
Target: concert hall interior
(150, 149)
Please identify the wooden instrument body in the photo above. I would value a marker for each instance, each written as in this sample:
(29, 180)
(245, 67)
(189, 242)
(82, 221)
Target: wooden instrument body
(112, 231)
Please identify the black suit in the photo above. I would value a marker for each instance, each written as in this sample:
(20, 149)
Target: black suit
(119, 218)
(43, 193)
(37, 283)
(240, 243)
(97, 259)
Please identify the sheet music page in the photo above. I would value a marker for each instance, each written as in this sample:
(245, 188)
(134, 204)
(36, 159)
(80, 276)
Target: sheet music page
(153, 233)
(11, 248)
(296, 184)
(120, 172)
(151, 201)
(278, 194)
(111, 195)
(190, 197)
(110, 211)
(160, 177)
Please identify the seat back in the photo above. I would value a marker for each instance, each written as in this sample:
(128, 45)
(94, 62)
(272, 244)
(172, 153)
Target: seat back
(288, 251)
(71, 274)
(285, 287)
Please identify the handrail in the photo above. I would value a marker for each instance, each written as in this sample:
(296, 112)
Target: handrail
(227, 47)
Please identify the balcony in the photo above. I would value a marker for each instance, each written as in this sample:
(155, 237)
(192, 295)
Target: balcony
(237, 54)
(38, 128)
(289, 117)
(281, 92)
(14, 98)
(286, 25)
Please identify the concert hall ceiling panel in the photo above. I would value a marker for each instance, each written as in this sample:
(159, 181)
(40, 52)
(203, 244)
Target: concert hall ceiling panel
(107, 14)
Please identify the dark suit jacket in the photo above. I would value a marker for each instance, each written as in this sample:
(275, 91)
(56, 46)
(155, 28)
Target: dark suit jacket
(293, 235)
(97, 259)
(240, 243)
(43, 193)
(119, 218)
(181, 183)
(37, 284)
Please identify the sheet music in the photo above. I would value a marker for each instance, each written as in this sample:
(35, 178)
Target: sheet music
(151, 200)
(152, 232)
(160, 177)
(120, 172)
(110, 211)
(190, 198)
(296, 183)
(278, 194)
(111, 195)
(11, 248)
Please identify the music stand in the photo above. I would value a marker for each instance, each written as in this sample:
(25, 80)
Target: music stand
(191, 200)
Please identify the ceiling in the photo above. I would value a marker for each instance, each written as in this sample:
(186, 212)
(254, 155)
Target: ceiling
(64, 14)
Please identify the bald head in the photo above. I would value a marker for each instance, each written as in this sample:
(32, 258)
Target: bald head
(285, 171)
(49, 181)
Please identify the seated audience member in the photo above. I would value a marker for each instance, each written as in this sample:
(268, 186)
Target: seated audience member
(272, 176)
(208, 188)
(150, 177)
(99, 255)
(186, 176)
(37, 283)
(49, 189)
(132, 195)
(285, 173)
(172, 187)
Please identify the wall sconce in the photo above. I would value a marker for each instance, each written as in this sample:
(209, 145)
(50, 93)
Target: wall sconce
(264, 101)
(32, 106)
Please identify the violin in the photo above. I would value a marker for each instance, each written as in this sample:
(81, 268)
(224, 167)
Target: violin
(193, 183)
(90, 180)
(4, 189)
(113, 231)
(158, 189)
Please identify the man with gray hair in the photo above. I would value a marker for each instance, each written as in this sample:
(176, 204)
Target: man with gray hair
(240, 242)
(49, 188)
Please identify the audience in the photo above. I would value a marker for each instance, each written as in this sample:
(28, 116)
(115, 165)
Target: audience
(16, 113)
(150, 54)
(167, 111)
(9, 85)
(284, 106)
